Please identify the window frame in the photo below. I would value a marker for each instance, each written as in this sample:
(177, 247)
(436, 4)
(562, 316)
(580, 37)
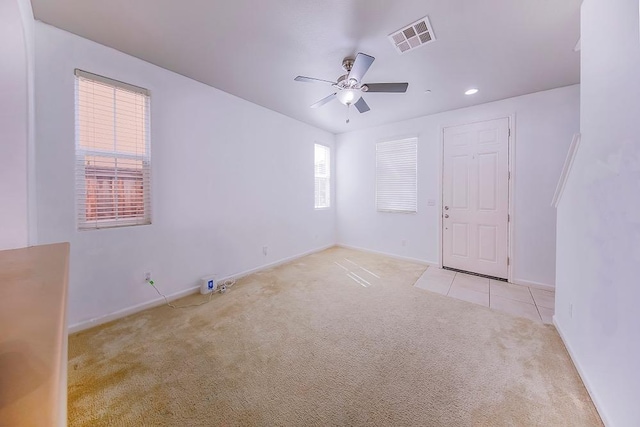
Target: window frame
(404, 140)
(326, 176)
(80, 154)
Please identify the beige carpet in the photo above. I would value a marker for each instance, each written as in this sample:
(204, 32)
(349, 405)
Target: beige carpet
(312, 344)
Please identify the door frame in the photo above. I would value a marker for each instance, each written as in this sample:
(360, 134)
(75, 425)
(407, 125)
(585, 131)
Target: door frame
(511, 184)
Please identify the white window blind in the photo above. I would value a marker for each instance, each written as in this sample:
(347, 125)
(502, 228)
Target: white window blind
(323, 176)
(397, 175)
(112, 153)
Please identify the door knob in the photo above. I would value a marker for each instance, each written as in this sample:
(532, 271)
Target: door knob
(446, 208)
(446, 215)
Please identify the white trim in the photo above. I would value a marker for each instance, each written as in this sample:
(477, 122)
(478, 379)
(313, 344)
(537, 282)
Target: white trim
(441, 196)
(533, 284)
(28, 31)
(406, 137)
(512, 200)
(511, 167)
(400, 257)
(86, 324)
(566, 170)
(585, 381)
(276, 263)
(111, 82)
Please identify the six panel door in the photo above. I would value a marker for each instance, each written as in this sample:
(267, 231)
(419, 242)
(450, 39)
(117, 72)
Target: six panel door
(476, 197)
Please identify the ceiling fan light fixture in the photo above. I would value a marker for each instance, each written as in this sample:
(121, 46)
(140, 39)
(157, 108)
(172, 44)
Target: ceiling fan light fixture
(347, 96)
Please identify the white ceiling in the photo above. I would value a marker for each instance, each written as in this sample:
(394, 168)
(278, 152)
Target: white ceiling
(255, 48)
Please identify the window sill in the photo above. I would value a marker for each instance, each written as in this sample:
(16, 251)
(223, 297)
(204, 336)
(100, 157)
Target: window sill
(109, 224)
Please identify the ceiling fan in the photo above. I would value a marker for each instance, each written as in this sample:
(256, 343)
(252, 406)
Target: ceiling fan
(349, 86)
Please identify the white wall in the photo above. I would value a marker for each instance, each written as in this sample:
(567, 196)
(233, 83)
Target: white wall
(599, 216)
(545, 124)
(14, 125)
(29, 38)
(228, 177)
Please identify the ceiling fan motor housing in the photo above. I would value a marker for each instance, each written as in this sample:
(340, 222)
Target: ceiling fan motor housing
(347, 64)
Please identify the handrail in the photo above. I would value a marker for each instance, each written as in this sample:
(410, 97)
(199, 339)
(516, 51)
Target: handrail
(566, 170)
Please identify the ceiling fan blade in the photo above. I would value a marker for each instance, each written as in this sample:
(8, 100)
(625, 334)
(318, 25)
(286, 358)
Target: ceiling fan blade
(312, 80)
(324, 101)
(361, 105)
(387, 87)
(360, 66)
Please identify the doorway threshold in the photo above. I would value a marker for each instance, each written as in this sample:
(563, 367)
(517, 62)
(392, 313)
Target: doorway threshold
(475, 274)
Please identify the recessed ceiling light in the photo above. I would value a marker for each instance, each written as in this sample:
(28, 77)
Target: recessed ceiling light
(427, 91)
(471, 91)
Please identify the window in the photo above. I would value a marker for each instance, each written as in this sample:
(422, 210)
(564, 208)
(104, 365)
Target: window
(397, 176)
(112, 153)
(323, 176)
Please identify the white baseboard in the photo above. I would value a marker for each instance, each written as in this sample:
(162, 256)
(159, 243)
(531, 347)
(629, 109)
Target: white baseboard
(400, 257)
(532, 284)
(275, 263)
(585, 381)
(86, 324)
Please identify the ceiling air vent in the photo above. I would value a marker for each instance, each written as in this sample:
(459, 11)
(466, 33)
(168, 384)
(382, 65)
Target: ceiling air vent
(412, 36)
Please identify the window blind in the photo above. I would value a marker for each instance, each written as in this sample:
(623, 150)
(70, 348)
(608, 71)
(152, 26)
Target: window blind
(322, 176)
(113, 159)
(397, 176)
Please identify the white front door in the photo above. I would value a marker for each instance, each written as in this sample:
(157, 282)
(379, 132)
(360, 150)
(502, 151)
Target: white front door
(475, 197)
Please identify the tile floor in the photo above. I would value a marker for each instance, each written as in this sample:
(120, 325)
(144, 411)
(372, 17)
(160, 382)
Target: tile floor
(532, 303)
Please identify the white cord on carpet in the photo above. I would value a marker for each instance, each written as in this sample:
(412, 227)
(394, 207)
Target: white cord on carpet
(222, 288)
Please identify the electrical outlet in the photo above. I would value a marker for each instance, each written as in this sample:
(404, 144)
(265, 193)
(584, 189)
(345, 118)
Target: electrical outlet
(147, 276)
(265, 249)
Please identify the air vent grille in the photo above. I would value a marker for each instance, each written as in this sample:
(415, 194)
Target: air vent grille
(404, 46)
(409, 32)
(412, 36)
(398, 38)
(425, 38)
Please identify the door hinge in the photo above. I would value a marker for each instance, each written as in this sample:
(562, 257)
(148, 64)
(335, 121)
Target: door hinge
(509, 131)
(509, 175)
(508, 261)
(508, 217)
